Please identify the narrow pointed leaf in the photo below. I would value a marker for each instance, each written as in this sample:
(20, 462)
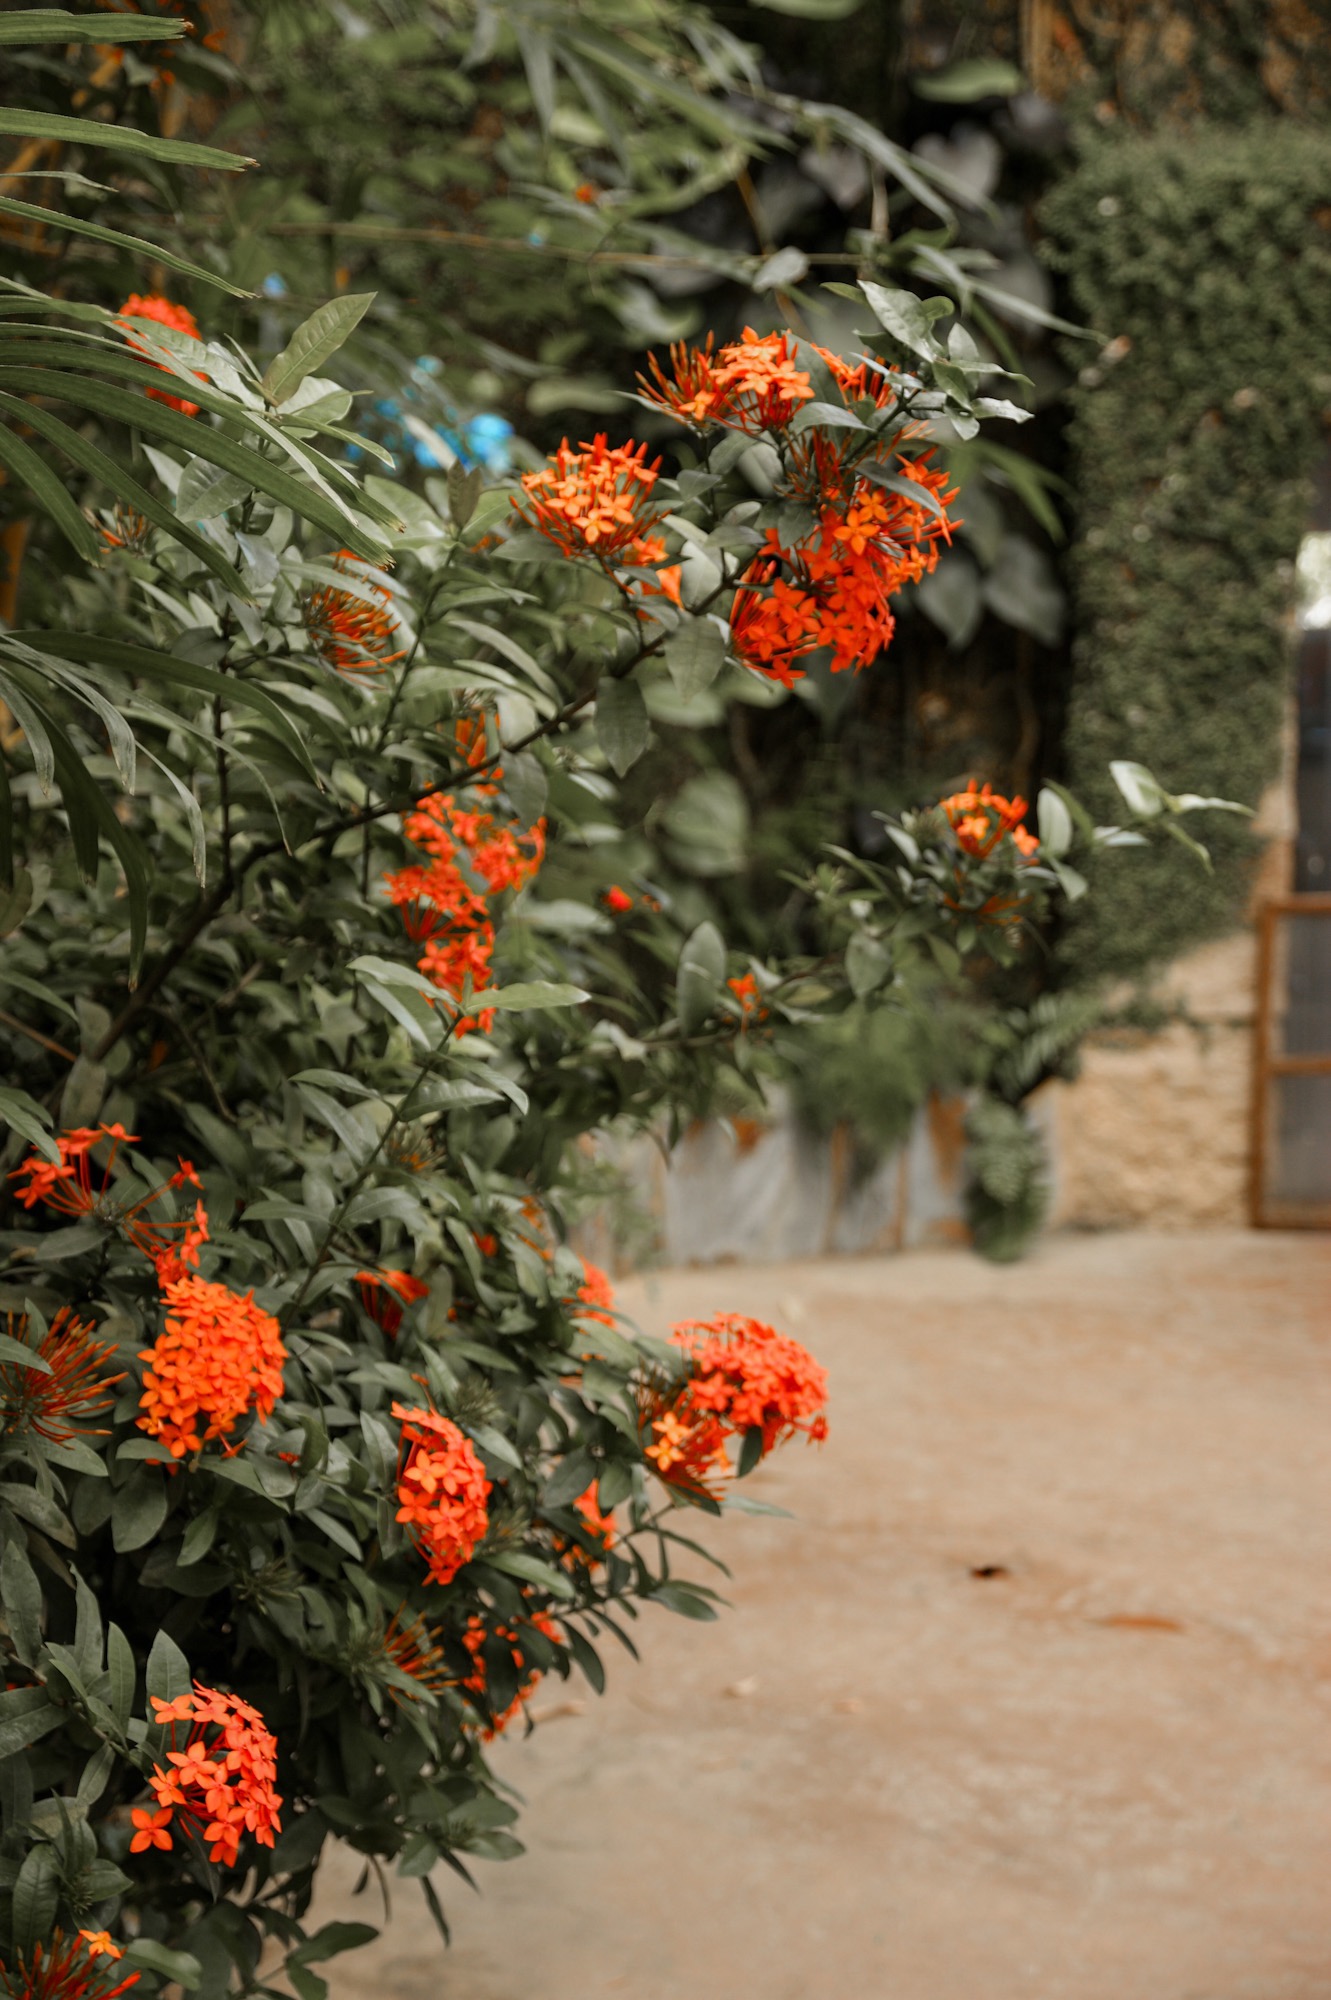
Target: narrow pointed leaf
(15, 124)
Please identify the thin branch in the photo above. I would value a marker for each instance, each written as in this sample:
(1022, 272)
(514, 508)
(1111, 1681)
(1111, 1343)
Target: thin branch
(36, 1035)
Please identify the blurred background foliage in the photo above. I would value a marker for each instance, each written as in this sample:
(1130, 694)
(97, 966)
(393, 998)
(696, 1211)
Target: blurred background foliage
(540, 191)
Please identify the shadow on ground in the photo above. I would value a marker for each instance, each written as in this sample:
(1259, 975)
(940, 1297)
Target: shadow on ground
(1029, 1702)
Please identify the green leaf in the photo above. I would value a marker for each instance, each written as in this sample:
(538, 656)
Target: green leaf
(172, 671)
(29, 1119)
(29, 469)
(36, 1895)
(812, 10)
(684, 1598)
(1022, 588)
(695, 655)
(340, 1122)
(131, 407)
(784, 267)
(119, 239)
(529, 994)
(967, 81)
(116, 478)
(313, 341)
(329, 1940)
(205, 491)
(464, 492)
(167, 1672)
(1141, 789)
(750, 1452)
(26, 1715)
(178, 1966)
(22, 1596)
(87, 1631)
(1055, 823)
(909, 319)
(702, 967)
(707, 822)
(15, 124)
(868, 962)
(137, 1512)
(54, 24)
(94, 1780)
(623, 729)
(515, 1562)
(120, 1666)
(30, 1505)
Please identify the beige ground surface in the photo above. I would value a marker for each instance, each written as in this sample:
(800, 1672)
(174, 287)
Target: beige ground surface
(1103, 1773)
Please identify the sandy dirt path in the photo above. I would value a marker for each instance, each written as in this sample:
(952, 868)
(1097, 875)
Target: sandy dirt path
(1031, 1700)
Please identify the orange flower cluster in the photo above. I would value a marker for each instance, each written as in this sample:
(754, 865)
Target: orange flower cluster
(595, 501)
(54, 1970)
(746, 992)
(385, 1293)
(752, 384)
(835, 588)
(218, 1356)
(600, 1526)
(151, 305)
(56, 1406)
(743, 1377)
(981, 817)
(445, 905)
(67, 1187)
(222, 1784)
(353, 632)
(595, 1297)
(442, 1491)
(477, 1682)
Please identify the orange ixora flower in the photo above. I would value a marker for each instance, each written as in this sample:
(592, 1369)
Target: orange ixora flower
(56, 1970)
(686, 1447)
(220, 1784)
(595, 1296)
(981, 818)
(151, 305)
(748, 997)
(385, 1293)
(743, 1376)
(442, 1491)
(57, 1405)
(753, 384)
(595, 501)
(477, 1683)
(69, 1188)
(445, 903)
(750, 1377)
(219, 1356)
(617, 899)
(834, 588)
(353, 629)
(101, 1944)
(599, 1527)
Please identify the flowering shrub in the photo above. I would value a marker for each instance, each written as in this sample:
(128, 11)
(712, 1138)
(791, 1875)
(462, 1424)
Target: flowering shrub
(319, 1453)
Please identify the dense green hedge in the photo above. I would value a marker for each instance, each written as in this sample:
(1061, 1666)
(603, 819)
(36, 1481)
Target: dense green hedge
(1205, 260)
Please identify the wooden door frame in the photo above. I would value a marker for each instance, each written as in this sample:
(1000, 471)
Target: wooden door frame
(1267, 1065)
